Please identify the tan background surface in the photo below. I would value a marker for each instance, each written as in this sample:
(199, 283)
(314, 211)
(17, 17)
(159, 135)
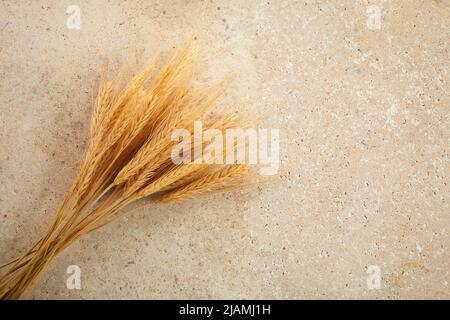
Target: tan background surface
(364, 176)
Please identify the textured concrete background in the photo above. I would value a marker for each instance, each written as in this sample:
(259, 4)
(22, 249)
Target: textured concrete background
(364, 177)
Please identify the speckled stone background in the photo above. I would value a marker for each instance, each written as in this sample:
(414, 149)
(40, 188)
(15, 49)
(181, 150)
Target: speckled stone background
(364, 175)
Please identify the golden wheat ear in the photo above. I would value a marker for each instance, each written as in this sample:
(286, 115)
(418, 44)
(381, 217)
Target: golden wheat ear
(223, 179)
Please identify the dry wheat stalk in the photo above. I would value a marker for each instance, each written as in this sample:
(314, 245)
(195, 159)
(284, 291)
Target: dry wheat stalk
(128, 157)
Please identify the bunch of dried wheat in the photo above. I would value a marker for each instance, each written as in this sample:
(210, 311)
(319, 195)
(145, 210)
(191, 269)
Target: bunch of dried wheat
(129, 157)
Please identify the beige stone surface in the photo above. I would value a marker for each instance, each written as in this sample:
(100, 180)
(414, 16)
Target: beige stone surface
(364, 175)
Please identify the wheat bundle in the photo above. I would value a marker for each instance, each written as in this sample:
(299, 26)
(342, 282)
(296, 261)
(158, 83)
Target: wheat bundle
(129, 157)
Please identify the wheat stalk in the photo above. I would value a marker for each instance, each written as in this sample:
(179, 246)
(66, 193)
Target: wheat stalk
(128, 158)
